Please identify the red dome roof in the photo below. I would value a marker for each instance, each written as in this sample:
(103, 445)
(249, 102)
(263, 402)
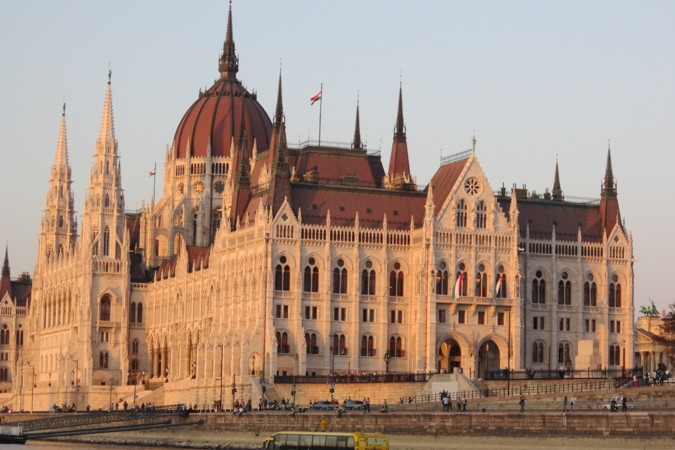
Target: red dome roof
(215, 119)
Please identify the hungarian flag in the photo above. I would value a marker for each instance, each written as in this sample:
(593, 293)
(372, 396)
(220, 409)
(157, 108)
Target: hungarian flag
(316, 98)
(153, 171)
(498, 287)
(457, 290)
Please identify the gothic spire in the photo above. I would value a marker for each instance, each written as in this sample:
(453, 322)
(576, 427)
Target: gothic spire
(556, 193)
(357, 144)
(609, 185)
(5, 281)
(62, 146)
(279, 113)
(399, 165)
(5, 264)
(242, 170)
(229, 63)
(400, 127)
(106, 136)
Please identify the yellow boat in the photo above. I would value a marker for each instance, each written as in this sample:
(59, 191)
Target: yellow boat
(311, 440)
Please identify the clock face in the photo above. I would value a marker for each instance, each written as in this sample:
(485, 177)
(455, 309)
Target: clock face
(471, 186)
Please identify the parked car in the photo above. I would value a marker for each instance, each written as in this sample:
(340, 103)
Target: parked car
(354, 404)
(323, 405)
(630, 404)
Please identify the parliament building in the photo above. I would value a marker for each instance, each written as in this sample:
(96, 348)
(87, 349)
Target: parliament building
(262, 259)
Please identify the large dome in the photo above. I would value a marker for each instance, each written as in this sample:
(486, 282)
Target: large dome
(215, 118)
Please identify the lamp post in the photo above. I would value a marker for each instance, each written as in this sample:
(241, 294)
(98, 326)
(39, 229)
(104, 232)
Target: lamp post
(32, 388)
(263, 386)
(222, 356)
(293, 393)
(387, 358)
(110, 388)
(234, 389)
(332, 355)
(75, 373)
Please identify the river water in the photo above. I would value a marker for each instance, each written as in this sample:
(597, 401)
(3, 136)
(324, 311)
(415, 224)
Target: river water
(45, 445)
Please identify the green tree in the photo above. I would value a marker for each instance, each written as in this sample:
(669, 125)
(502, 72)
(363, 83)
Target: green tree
(667, 336)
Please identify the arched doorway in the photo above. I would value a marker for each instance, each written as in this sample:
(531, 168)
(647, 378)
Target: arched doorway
(488, 358)
(449, 356)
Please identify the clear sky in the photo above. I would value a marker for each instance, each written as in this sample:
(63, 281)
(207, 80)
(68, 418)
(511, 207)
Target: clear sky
(535, 80)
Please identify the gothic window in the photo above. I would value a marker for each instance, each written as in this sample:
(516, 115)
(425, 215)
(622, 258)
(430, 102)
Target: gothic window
(4, 335)
(590, 291)
(134, 347)
(500, 283)
(282, 342)
(282, 275)
(442, 279)
(106, 201)
(132, 313)
(104, 308)
(539, 288)
(538, 352)
(94, 238)
(367, 345)
(19, 337)
(60, 221)
(368, 279)
(396, 281)
(614, 355)
(460, 283)
(481, 282)
(340, 278)
(339, 344)
(615, 293)
(106, 241)
(134, 364)
(310, 341)
(396, 347)
(311, 279)
(215, 222)
(564, 290)
(481, 215)
(461, 214)
(139, 313)
(195, 216)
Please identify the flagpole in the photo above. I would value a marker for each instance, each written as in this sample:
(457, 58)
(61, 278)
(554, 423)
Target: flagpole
(154, 182)
(320, 111)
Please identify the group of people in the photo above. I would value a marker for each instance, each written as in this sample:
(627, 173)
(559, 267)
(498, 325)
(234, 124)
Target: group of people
(572, 404)
(447, 402)
(614, 407)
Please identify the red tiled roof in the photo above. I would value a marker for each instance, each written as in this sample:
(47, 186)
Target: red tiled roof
(198, 257)
(333, 165)
(444, 180)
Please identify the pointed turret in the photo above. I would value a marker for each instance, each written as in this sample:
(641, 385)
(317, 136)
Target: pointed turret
(106, 136)
(609, 203)
(556, 193)
(229, 62)
(5, 281)
(58, 231)
(357, 144)
(279, 185)
(398, 176)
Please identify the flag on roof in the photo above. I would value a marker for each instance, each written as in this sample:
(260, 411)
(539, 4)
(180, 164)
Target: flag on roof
(316, 98)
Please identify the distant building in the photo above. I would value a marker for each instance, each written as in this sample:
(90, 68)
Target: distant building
(262, 259)
(648, 351)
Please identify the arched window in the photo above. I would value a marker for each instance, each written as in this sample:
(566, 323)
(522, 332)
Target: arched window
(459, 289)
(539, 288)
(139, 313)
(106, 241)
(132, 313)
(396, 347)
(106, 202)
(310, 341)
(94, 238)
(4, 335)
(442, 279)
(396, 281)
(564, 290)
(104, 308)
(481, 289)
(60, 221)
(368, 279)
(590, 291)
(367, 346)
(340, 278)
(461, 214)
(282, 342)
(538, 352)
(614, 355)
(615, 293)
(134, 347)
(282, 275)
(339, 344)
(134, 364)
(481, 215)
(311, 279)
(500, 283)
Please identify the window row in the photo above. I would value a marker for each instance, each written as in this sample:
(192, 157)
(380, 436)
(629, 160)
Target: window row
(481, 318)
(136, 313)
(5, 336)
(564, 355)
(480, 218)
(481, 288)
(338, 345)
(564, 292)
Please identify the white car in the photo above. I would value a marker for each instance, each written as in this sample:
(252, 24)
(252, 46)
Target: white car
(630, 404)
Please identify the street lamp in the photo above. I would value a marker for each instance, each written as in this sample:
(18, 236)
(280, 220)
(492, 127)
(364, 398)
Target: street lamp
(32, 388)
(234, 389)
(293, 393)
(110, 387)
(263, 386)
(75, 374)
(387, 358)
(222, 356)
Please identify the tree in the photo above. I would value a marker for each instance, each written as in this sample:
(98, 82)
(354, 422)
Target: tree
(667, 335)
(650, 311)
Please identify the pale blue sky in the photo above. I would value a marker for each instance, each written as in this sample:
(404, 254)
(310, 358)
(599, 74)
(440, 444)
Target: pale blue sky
(534, 79)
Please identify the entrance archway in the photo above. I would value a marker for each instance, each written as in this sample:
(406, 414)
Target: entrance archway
(449, 356)
(488, 358)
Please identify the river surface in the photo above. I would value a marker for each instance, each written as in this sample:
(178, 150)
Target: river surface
(45, 445)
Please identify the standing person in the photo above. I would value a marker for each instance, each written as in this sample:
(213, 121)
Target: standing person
(464, 405)
(565, 404)
(522, 403)
(574, 403)
(459, 403)
(446, 403)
